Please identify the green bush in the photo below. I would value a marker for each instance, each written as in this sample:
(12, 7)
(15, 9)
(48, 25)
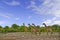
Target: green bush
(17, 28)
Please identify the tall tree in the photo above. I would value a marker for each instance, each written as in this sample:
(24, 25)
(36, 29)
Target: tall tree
(15, 27)
(56, 28)
(6, 28)
(1, 28)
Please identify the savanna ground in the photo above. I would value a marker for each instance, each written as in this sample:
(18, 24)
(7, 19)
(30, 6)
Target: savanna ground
(30, 32)
(29, 36)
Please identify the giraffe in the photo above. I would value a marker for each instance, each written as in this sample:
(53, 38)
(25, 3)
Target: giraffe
(48, 28)
(31, 28)
(25, 28)
(34, 29)
(37, 28)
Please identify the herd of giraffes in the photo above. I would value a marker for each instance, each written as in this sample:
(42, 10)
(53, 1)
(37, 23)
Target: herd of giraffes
(35, 29)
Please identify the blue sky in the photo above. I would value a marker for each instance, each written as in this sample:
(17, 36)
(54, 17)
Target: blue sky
(29, 11)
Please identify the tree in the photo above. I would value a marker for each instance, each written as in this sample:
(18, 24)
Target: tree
(1, 28)
(6, 28)
(55, 28)
(15, 27)
(23, 28)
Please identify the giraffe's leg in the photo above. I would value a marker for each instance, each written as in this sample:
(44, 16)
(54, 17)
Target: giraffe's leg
(39, 32)
(47, 31)
(51, 31)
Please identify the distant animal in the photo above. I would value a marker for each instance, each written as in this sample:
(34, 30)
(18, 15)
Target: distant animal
(48, 28)
(34, 29)
(25, 28)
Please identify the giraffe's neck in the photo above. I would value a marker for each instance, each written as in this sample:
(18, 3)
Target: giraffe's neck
(45, 26)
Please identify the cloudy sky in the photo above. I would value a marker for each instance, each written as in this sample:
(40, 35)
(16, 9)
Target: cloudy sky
(29, 11)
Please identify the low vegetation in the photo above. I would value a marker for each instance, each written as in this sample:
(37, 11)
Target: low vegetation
(30, 28)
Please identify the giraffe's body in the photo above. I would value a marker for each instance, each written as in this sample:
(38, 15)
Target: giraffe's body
(34, 29)
(48, 28)
(25, 28)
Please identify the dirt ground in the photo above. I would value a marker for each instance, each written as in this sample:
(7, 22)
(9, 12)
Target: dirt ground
(29, 36)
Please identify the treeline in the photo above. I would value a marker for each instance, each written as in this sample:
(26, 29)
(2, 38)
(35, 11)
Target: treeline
(29, 28)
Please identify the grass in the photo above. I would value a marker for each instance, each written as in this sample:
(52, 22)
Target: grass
(29, 36)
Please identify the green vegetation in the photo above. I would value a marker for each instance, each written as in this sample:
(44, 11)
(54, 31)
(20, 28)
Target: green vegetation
(29, 28)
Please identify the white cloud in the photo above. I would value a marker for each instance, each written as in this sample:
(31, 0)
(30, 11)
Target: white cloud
(9, 16)
(16, 18)
(57, 22)
(54, 18)
(48, 22)
(5, 15)
(57, 13)
(29, 17)
(12, 3)
(52, 21)
(47, 7)
(2, 22)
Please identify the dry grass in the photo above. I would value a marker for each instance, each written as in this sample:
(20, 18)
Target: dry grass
(29, 36)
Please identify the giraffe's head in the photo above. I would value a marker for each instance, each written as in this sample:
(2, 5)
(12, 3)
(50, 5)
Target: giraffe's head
(44, 24)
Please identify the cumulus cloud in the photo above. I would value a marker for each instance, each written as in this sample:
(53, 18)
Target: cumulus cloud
(48, 22)
(9, 16)
(29, 17)
(12, 3)
(52, 21)
(57, 22)
(5, 15)
(46, 7)
(2, 22)
(16, 18)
